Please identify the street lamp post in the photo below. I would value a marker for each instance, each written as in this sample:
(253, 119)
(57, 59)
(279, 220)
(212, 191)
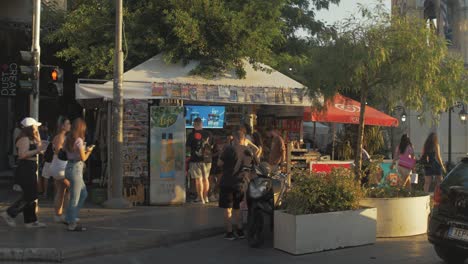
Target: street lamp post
(403, 119)
(463, 116)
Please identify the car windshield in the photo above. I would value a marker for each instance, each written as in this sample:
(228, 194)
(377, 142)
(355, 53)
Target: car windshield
(458, 176)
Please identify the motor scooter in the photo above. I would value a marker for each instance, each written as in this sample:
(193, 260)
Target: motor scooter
(264, 194)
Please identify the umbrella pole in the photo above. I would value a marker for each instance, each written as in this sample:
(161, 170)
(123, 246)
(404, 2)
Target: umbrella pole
(315, 138)
(333, 141)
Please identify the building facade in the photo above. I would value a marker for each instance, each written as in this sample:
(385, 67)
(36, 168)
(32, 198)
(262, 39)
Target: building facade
(450, 19)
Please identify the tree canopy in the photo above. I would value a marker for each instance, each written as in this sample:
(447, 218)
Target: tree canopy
(398, 60)
(218, 33)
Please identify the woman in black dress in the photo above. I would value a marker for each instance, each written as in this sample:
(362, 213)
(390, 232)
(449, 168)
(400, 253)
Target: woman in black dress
(434, 167)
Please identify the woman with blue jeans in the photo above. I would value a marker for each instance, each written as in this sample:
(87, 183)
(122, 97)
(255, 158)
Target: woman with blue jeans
(77, 154)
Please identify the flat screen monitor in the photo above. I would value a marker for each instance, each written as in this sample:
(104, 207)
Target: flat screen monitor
(211, 116)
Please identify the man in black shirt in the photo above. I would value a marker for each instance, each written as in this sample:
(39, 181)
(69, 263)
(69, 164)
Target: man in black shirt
(233, 160)
(200, 143)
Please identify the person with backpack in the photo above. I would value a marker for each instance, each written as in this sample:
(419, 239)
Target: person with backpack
(200, 143)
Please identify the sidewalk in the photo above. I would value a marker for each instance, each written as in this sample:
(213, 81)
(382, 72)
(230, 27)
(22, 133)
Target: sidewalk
(109, 231)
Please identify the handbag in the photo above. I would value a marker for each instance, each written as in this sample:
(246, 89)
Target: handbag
(49, 153)
(62, 155)
(407, 162)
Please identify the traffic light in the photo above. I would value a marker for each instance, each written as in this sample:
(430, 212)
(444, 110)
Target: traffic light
(51, 81)
(26, 76)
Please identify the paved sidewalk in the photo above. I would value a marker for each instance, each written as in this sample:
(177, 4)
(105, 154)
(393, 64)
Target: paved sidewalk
(109, 231)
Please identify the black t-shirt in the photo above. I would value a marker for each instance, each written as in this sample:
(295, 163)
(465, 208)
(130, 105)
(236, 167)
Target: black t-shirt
(233, 160)
(201, 146)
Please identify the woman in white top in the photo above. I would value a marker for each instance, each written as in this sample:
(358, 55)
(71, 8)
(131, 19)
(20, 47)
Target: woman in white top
(77, 154)
(57, 168)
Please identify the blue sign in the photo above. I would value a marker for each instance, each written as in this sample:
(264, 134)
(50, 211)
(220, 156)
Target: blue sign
(211, 116)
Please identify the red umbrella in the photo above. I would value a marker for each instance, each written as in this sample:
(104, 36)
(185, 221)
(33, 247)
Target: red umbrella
(345, 110)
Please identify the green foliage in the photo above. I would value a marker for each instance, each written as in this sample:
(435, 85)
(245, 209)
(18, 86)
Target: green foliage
(388, 191)
(317, 193)
(397, 60)
(374, 141)
(218, 33)
(345, 144)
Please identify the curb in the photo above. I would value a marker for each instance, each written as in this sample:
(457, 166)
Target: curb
(128, 245)
(30, 254)
(125, 245)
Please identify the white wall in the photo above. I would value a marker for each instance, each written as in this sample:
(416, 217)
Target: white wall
(418, 133)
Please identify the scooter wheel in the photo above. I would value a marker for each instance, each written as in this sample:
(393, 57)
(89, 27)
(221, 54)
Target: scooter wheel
(255, 234)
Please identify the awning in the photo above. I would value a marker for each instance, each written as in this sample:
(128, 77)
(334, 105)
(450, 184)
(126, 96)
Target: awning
(157, 79)
(345, 110)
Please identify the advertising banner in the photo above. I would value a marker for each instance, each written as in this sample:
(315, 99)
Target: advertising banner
(167, 153)
(9, 79)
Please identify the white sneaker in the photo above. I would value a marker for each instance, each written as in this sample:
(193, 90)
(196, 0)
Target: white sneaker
(8, 219)
(36, 224)
(213, 198)
(59, 218)
(198, 201)
(207, 200)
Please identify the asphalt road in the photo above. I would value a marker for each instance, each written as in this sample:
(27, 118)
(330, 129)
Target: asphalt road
(411, 250)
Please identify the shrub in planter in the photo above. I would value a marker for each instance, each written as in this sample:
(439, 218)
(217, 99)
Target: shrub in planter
(322, 193)
(321, 212)
(401, 212)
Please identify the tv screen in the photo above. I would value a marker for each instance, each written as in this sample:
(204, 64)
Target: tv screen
(211, 116)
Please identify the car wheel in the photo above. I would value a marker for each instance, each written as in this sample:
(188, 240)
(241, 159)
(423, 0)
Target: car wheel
(450, 256)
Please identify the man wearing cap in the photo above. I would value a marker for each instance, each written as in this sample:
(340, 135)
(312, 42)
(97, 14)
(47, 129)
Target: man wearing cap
(200, 143)
(29, 146)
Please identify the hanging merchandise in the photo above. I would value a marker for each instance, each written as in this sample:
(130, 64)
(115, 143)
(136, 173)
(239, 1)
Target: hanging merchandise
(157, 89)
(185, 93)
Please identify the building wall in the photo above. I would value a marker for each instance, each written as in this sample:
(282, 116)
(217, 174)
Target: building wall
(458, 18)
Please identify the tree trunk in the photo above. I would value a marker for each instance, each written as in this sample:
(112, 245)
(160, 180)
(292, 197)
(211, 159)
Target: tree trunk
(358, 153)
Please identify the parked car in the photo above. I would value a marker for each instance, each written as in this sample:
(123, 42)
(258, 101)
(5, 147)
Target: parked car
(448, 223)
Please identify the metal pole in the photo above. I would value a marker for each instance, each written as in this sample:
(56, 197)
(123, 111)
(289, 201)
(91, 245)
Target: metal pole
(116, 199)
(449, 137)
(36, 49)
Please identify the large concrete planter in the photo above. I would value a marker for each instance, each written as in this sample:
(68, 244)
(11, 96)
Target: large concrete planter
(301, 234)
(400, 217)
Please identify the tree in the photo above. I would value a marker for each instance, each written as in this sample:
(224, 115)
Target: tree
(395, 59)
(218, 33)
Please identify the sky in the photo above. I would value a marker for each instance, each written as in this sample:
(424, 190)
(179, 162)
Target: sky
(344, 9)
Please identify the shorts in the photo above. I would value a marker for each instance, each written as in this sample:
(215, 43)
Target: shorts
(46, 170)
(404, 172)
(230, 197)
(57, 168)
(199, 170)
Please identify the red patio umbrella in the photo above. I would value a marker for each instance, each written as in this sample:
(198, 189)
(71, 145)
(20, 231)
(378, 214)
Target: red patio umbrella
(342, 109)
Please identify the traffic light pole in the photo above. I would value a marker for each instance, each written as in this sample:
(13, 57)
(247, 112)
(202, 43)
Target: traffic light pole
(36, 50)
(115, 183)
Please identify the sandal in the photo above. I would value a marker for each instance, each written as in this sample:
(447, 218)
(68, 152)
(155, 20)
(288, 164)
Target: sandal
(77, 228)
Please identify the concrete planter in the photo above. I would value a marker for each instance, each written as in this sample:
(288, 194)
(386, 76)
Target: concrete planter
(301, 234)
(400, 217)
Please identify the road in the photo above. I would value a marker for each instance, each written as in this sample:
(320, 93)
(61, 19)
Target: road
(412, 250)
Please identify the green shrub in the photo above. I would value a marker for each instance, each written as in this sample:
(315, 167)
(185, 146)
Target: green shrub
(313, 193)
(388, 191)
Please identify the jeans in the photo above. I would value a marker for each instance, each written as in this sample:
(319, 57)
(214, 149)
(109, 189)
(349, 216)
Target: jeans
(78, 192)
(26, 177)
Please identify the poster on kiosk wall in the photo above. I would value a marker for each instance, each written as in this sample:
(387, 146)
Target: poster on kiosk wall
(167, 152)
